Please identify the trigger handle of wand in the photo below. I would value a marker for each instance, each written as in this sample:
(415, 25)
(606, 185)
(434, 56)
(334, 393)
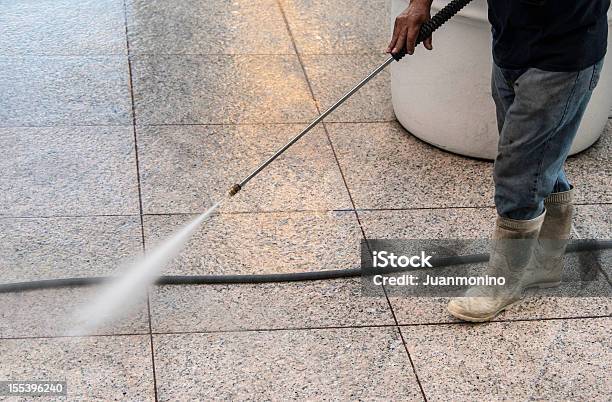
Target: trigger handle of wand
(441, 17)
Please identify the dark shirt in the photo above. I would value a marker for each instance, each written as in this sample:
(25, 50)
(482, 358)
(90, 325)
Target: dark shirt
(552, 35)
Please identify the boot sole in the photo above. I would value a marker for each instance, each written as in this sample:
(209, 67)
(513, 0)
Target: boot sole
(481, 319)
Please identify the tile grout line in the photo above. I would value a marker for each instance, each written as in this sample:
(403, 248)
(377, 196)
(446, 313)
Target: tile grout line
(142, 232)
(364, 326)
(252, 123)
(399, 331)
(364, 237)
(202, 54)
(279, 211)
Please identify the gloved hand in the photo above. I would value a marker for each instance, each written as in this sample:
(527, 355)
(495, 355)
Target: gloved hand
(408, 25)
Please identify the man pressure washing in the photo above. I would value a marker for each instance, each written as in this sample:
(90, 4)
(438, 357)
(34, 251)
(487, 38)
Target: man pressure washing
(547, 57)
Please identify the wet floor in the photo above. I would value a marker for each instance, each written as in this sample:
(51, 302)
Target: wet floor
(121, 121)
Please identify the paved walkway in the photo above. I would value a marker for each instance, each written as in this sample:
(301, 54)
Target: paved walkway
(121, 121)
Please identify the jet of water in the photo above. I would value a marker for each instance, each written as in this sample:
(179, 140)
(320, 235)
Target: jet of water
(121, 293)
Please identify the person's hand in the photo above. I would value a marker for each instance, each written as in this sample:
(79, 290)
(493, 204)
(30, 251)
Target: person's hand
(408, 25)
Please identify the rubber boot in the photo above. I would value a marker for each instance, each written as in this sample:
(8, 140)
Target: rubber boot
(546, 266)
(513, 244)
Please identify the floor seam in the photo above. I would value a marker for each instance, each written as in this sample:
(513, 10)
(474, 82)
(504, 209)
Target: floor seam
(142, 231)
(254, 123)
(313, 328)
(510, 320)
(364, 238)
(271, 211)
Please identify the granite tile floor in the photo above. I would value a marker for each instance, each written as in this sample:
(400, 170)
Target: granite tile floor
(121, 120)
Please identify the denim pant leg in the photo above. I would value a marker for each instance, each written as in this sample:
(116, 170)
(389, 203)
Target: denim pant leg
(536, 134)
(502, 89)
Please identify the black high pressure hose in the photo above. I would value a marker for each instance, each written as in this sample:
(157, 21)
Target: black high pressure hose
(579, 246)
(427, 29)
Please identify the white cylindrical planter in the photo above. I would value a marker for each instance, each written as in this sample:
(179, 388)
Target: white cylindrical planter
(444, 97)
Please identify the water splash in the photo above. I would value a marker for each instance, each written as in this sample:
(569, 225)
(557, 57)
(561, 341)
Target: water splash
(126, 290)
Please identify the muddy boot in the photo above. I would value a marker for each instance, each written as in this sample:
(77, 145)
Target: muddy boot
(513, 244)
(546, 266)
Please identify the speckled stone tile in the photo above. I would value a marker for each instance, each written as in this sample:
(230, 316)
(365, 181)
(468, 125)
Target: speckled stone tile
(338, 26)
(55, 312)
(541, 360)
(188, 168)
(56, 248)
(62, 27)
(385, 167)
(339, 364)
(333, 76)
(468, 223)
(220, 27)
(95, 368)
(221, 89)
(68, 171)
(593, 222)
(266, 306)
(43, 91)
(53, 248)
(262, 243)
(591, 171)
(446, 223)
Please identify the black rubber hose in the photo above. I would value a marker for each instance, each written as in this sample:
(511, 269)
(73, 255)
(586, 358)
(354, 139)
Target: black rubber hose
(580, 246)
(436, 22)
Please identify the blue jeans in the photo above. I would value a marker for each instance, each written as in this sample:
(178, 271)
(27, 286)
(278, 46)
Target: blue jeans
(538, 114)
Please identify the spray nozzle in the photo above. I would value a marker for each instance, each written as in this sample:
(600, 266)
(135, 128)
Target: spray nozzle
(234, 190)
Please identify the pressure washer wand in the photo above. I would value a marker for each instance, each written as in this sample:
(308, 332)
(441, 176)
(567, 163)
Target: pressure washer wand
(427, 29)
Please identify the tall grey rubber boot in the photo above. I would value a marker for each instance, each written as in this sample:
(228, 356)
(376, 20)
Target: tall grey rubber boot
(546, 267)
(513, 244)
